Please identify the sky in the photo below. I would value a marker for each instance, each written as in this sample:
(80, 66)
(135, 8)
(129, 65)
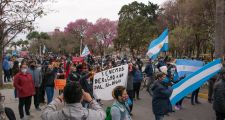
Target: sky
(66, 11)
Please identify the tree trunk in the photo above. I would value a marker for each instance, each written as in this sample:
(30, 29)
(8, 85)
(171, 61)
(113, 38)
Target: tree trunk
(219, 29)
(1, 70)
(198, 43)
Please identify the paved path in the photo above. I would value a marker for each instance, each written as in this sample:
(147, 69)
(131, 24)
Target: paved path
(141, 111)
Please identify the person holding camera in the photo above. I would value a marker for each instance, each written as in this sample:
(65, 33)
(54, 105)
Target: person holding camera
(68, 106)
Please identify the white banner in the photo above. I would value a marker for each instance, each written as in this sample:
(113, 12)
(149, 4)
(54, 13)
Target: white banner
(105, 81)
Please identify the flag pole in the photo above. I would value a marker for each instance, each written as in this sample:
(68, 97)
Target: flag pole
(81, 46)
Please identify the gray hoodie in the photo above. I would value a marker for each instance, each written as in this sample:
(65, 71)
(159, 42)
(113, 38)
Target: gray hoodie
(72, 111)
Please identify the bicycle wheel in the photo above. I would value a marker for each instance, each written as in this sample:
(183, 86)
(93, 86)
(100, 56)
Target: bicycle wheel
(150, 90)
(144, 83)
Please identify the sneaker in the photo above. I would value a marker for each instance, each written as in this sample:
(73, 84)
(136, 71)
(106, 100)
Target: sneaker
(197, 102)
(177, 107)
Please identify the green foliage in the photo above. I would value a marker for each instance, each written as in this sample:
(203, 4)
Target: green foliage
(192, 26)
(136, 25)
(36, 35)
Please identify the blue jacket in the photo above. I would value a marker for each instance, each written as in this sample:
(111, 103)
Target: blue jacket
(137, 76)
(160, 102)
(6, 65)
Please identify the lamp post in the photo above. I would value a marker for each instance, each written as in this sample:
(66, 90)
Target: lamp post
(81, 43)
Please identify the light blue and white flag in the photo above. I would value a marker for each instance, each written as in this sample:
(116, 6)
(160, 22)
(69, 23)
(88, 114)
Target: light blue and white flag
(85, 52)
(186, 67)
(158, 45)
(194, 80)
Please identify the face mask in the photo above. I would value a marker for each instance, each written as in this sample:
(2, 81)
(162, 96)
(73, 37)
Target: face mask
(32, 66)
(24, 71)
(166, 80)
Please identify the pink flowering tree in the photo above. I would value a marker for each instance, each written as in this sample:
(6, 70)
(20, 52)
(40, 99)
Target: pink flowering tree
(103, 32)
(78, 29)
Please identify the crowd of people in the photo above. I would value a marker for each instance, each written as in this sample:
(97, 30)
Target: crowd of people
(34, 76)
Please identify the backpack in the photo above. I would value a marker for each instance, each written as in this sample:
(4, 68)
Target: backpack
(108, 112)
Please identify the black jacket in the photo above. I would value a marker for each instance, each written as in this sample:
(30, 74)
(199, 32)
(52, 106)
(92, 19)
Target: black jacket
(219, 96)
(50, 77)
(149, 70)
(160, 102)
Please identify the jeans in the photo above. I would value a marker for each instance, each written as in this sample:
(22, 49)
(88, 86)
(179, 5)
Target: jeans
(137, 86)
(27, 102)
(159, 117)
(194, 96)
(6, 75)
(50, 93)
(130, 94)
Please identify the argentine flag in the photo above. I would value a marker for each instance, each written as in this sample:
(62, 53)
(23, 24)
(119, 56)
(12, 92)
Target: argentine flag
(186, 67)
(194, 80)
(85, 52)
(158, 45)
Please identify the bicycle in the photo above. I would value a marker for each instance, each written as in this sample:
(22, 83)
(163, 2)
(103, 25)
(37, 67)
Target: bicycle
(145, 84)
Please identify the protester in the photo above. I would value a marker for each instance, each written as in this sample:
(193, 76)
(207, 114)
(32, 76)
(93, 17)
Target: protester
(43, 83)
(139, 63)
(137, 82)
(194, 97)
(25, 90)
(210, 88)
(219, 97)
(130, 88)
(15, 70)
(74, 76)
(72, 109)
(6, 69)
(50, 77)
(178, 105)
(37, 78)
(11, 62)
(120, 109)
(161, 93)
(149, 72)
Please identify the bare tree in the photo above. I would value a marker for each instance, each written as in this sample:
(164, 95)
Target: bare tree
(219, 41)
(17, 16)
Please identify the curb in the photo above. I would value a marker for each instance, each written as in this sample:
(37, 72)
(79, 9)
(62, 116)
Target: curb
(203, 95)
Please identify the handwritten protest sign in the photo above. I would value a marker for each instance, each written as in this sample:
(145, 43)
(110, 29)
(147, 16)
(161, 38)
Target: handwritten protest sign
(60, 84)
(105, 81)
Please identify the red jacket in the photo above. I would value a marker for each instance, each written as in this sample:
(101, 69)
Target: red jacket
(24, 85)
